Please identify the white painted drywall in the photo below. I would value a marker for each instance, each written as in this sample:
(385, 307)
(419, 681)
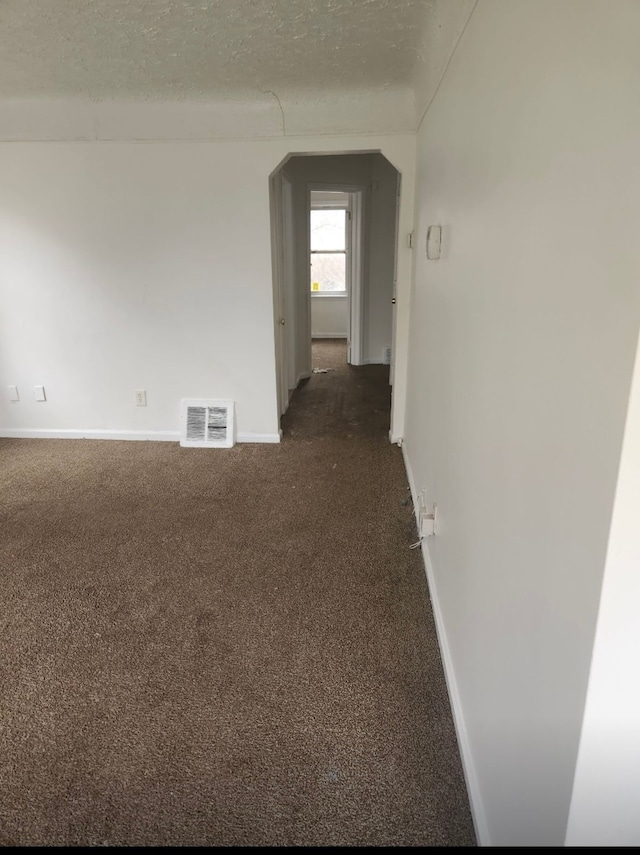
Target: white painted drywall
(606, 792)
(140, 265)
(261, 116)
(522, 346)
(132, 266)
(329, 317)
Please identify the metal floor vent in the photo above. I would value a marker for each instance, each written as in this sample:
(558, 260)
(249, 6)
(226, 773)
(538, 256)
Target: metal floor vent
(206, 423)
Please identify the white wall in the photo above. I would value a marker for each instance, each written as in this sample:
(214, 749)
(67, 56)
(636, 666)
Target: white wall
(131, 266)
(329, 317)
(262, 115)
(127, 265)
(606, 793)
(522, 346)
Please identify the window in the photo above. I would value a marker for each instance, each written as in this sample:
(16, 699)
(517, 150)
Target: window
(328, 251)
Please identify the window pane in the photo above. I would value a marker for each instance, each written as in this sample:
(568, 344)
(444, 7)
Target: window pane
(328, 272)
(328, 230)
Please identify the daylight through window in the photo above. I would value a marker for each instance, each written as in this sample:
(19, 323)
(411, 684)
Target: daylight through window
(328, 251)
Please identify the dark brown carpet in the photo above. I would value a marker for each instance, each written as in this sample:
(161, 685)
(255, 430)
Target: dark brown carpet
(224, 646)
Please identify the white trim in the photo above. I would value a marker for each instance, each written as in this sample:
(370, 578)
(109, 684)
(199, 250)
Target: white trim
(277, 266)
(292, 139)
(90, 433)
(357, 260)
(328, 335)
(373, 362)
(329, 295)
(303, 375)
(132, 435)
(332, 206)
(280, 190)
(394, 295)
(259, 437)
(322, 200)
(468, 765)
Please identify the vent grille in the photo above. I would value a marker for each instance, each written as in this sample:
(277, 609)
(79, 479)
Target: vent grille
(207, 424)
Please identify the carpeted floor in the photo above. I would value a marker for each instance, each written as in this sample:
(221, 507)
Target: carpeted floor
(224, 647)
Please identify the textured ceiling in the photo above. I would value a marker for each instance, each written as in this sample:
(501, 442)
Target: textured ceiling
(204, 49)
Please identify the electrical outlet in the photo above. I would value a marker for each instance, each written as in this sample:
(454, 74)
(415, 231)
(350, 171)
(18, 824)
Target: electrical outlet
(141, 398)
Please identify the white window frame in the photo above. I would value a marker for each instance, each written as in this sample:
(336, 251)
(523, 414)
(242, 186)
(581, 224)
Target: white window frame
(345, 206)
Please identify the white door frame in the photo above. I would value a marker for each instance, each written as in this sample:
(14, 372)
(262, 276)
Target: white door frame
(355, 262)
(400, 151)
(289, 282)
(277, 262)
(392, 363)
(281, 203)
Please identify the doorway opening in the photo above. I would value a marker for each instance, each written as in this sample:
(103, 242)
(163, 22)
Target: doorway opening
(336, 255)
(334, 246)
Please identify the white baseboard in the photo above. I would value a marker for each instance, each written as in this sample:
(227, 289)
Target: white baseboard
(471, 778)
(132, 435)
(368, 362)
(259, 437)
(135, 435)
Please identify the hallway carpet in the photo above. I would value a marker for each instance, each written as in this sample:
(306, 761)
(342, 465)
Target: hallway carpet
(224, 647)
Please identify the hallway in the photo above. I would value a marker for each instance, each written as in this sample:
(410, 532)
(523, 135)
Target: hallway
(344, 402)
(224, 647)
